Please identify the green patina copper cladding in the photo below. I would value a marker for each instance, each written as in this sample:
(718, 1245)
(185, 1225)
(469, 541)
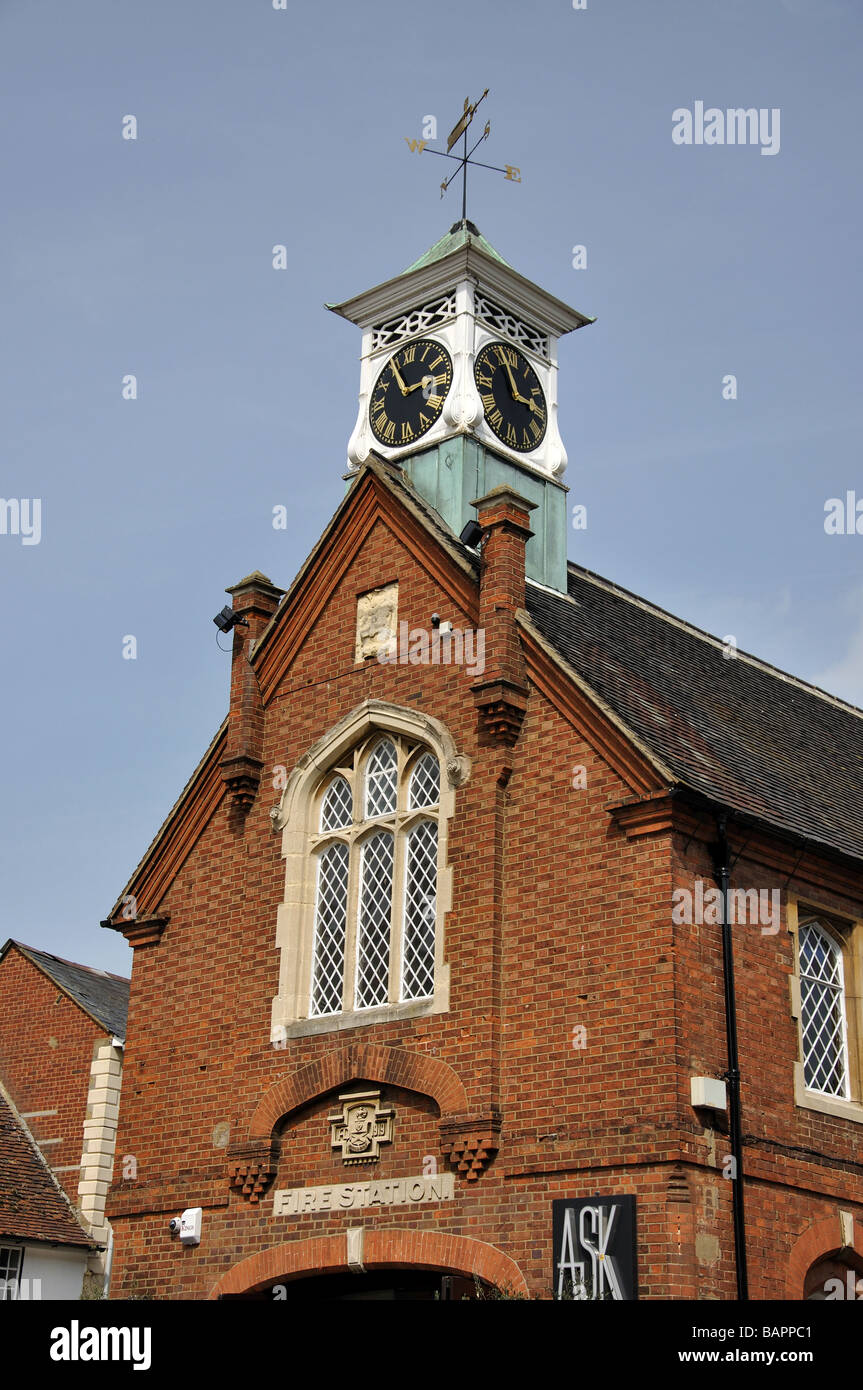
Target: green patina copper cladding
(450, 242)
(450, 476)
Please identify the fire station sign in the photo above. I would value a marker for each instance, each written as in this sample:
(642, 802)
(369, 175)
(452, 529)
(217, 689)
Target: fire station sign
(397, 1192)
(594, 1248)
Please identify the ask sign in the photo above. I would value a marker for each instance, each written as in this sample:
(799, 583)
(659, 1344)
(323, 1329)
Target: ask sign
(594, 1248)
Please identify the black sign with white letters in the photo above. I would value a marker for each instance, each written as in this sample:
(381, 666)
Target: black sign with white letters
(594, 1248)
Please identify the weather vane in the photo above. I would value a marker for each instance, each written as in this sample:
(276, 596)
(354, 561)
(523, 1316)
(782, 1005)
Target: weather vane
(459, 131)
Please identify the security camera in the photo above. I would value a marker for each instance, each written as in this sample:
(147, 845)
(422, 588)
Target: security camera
(174, 1225)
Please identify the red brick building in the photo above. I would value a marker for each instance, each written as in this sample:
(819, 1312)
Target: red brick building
(61, 1054)
(44, 1248)
(439, 932)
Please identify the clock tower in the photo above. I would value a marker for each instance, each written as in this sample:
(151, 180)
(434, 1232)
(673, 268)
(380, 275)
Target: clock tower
(459, 386)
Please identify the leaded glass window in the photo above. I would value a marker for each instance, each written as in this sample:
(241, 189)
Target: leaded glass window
(337, 805)
(10, 1272)
(420, 913)
(822, 1012)
(330, 922)
(425, 782)
(375, 921)
(375, 932)
(381, 780)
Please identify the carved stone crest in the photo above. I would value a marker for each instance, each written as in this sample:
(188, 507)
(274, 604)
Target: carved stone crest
(361, 1126)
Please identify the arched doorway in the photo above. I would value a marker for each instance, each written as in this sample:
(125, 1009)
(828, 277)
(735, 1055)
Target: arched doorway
(828, 1250)
(394, 1264)
(838, 1276)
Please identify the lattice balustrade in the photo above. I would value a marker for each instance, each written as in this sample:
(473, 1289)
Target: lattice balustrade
(515, 328)
(413, 324)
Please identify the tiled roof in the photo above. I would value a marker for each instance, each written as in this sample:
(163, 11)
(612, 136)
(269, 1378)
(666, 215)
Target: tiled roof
(32, 1204)
(738, 731)
(104, 997)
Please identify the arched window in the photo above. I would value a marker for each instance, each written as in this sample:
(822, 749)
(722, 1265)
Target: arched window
(376, 884)
(364, 820)
(823, 1024)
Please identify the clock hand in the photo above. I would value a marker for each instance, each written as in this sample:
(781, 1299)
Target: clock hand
(512, 386)
(397, 375)
(417, 384)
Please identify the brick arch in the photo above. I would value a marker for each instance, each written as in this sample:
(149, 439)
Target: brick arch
(412, 1071)
(394, 1249)
(819, 1241)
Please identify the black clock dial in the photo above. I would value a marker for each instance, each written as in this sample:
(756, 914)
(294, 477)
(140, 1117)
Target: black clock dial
(512, 398)
(409, 394)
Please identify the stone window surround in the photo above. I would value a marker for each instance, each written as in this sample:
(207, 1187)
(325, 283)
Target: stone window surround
(849, 933)
(295, 817)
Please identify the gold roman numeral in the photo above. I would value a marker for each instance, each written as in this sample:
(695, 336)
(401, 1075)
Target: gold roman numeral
(488, 401)
(484, 381)
(535, 429)
(511, 436)
(407, 433)
(389, 433)
(495, 419)
(408, 355)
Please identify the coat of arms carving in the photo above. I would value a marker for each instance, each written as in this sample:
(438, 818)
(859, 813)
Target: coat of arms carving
(361, 1126)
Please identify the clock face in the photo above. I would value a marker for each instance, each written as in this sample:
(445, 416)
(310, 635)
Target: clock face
(512, 397)
(409, 394)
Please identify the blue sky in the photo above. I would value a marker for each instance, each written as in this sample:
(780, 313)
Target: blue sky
(153, 257)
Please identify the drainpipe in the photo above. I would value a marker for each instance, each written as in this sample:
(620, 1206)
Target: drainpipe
(109, 1260)
(732, 1075)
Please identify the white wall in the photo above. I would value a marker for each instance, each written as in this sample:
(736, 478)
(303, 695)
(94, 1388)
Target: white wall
(60, 1270)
